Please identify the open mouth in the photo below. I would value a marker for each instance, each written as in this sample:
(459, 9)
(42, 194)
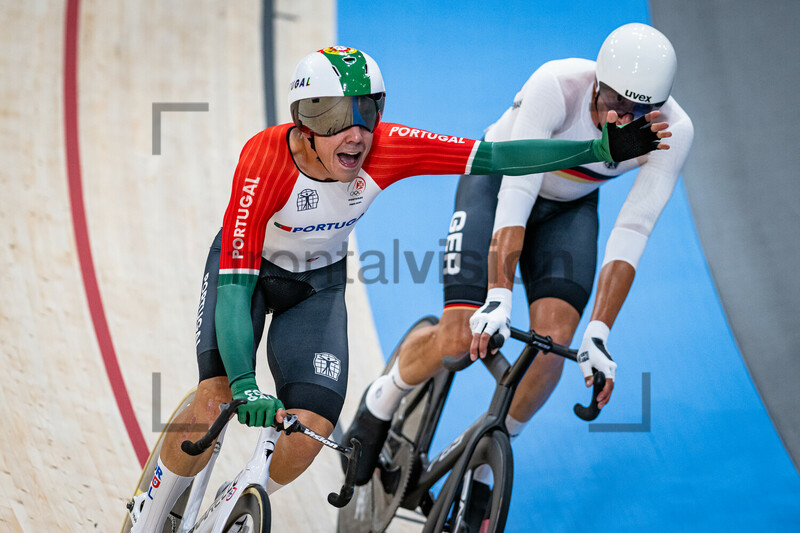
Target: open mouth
(349, 159)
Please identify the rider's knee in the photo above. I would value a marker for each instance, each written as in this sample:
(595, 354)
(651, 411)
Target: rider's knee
(560, 333)
(454, 336)
(210, 394)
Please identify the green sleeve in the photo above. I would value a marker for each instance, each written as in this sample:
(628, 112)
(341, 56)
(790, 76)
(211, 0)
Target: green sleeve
(235, 329)
(532, 156)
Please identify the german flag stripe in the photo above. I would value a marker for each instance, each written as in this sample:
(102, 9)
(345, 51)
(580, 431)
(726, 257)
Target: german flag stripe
(582, 175)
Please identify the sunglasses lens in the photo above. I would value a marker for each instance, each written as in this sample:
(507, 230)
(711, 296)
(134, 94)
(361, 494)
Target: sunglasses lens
(328, 115)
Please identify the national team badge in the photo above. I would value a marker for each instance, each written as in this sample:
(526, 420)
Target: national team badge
(356, 187)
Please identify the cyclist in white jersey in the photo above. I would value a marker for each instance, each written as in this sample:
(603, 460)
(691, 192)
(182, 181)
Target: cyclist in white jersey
(548, 223)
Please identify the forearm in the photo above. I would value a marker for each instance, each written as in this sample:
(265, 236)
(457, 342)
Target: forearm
(613, 286)
(235, 331)
(531, 156)
(504, 254)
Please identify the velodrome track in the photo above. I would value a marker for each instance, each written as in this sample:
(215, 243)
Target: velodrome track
(104, 242)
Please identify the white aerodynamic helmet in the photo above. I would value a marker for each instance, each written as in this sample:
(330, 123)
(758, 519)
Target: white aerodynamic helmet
(336, 88)
(639, 63)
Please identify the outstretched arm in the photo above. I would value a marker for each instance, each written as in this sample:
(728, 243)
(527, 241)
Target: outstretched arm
(531, 156)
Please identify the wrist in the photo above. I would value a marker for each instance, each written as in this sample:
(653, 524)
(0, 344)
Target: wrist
(601, 148)
(242, 385)
(500, 294)
(597, 329)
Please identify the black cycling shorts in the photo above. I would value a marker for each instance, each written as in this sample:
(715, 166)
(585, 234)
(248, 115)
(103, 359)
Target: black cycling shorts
(307, 346)
(559, 255)
(468, 239)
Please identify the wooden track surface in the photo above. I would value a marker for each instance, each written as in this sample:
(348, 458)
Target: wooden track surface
(67, 463)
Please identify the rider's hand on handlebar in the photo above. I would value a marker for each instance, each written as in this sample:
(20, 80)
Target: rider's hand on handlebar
(261, 410)
(593, 355)
(494, 316)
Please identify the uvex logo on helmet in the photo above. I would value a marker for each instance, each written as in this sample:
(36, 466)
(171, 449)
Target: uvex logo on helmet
(630, 95)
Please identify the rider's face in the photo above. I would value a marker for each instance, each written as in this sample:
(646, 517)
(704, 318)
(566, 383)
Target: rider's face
(344, 153)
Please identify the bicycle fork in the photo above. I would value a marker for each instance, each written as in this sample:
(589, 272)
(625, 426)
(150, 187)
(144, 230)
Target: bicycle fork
(256, 472)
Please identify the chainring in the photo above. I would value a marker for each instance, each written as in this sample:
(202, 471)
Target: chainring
(391, 479)
(374, 504)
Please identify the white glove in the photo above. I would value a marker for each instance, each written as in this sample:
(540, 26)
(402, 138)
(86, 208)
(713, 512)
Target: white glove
(495, 315)
(593, 351)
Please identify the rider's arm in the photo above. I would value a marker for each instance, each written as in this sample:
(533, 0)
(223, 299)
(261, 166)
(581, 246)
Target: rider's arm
(399, 152)
(256, 194)
(540, 109)
(646, 200)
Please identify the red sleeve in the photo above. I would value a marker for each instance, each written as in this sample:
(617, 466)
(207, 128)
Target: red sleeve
(399, 152)
(262, 183)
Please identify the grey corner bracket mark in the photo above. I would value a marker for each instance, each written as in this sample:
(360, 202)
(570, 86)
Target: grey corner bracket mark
(159, 107)
(643, 427)
(158, 425)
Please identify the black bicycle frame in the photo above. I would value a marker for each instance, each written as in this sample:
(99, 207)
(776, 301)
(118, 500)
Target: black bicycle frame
(464, 445)
(455, 456)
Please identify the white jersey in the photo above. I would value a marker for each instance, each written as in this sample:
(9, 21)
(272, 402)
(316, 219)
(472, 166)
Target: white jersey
(555, 103)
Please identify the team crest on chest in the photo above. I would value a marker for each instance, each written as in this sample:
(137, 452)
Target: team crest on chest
(307, 199)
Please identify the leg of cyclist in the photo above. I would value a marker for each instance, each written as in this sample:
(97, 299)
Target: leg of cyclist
(191, 424)
(558, 319)
(307, 352)
(557, 263)
(295, 453)
(176, 469)
(419, 358)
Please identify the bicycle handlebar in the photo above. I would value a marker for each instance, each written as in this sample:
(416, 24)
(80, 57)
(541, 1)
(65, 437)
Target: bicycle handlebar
(226, 412)
(290, 425)
(545, 344)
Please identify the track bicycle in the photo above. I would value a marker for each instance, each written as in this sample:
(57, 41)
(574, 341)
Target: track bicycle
(405, 473)
(240, 505)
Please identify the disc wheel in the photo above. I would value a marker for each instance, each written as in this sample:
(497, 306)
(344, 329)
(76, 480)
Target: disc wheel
(251, 514)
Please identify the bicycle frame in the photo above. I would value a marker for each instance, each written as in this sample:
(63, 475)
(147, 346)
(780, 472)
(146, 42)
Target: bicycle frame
(463, 446)
(455, 456)
(255, 472)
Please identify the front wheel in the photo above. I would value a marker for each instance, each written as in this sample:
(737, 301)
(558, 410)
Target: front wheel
(469, 506)
(251, 514)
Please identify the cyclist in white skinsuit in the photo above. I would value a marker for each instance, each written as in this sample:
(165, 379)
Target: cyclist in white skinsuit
(553, 103)
(548, 222)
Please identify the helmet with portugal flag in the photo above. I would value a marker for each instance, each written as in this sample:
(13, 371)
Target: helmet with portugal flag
(334, 89)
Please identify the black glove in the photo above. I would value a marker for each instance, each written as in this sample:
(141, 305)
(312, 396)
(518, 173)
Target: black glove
(630, 140)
